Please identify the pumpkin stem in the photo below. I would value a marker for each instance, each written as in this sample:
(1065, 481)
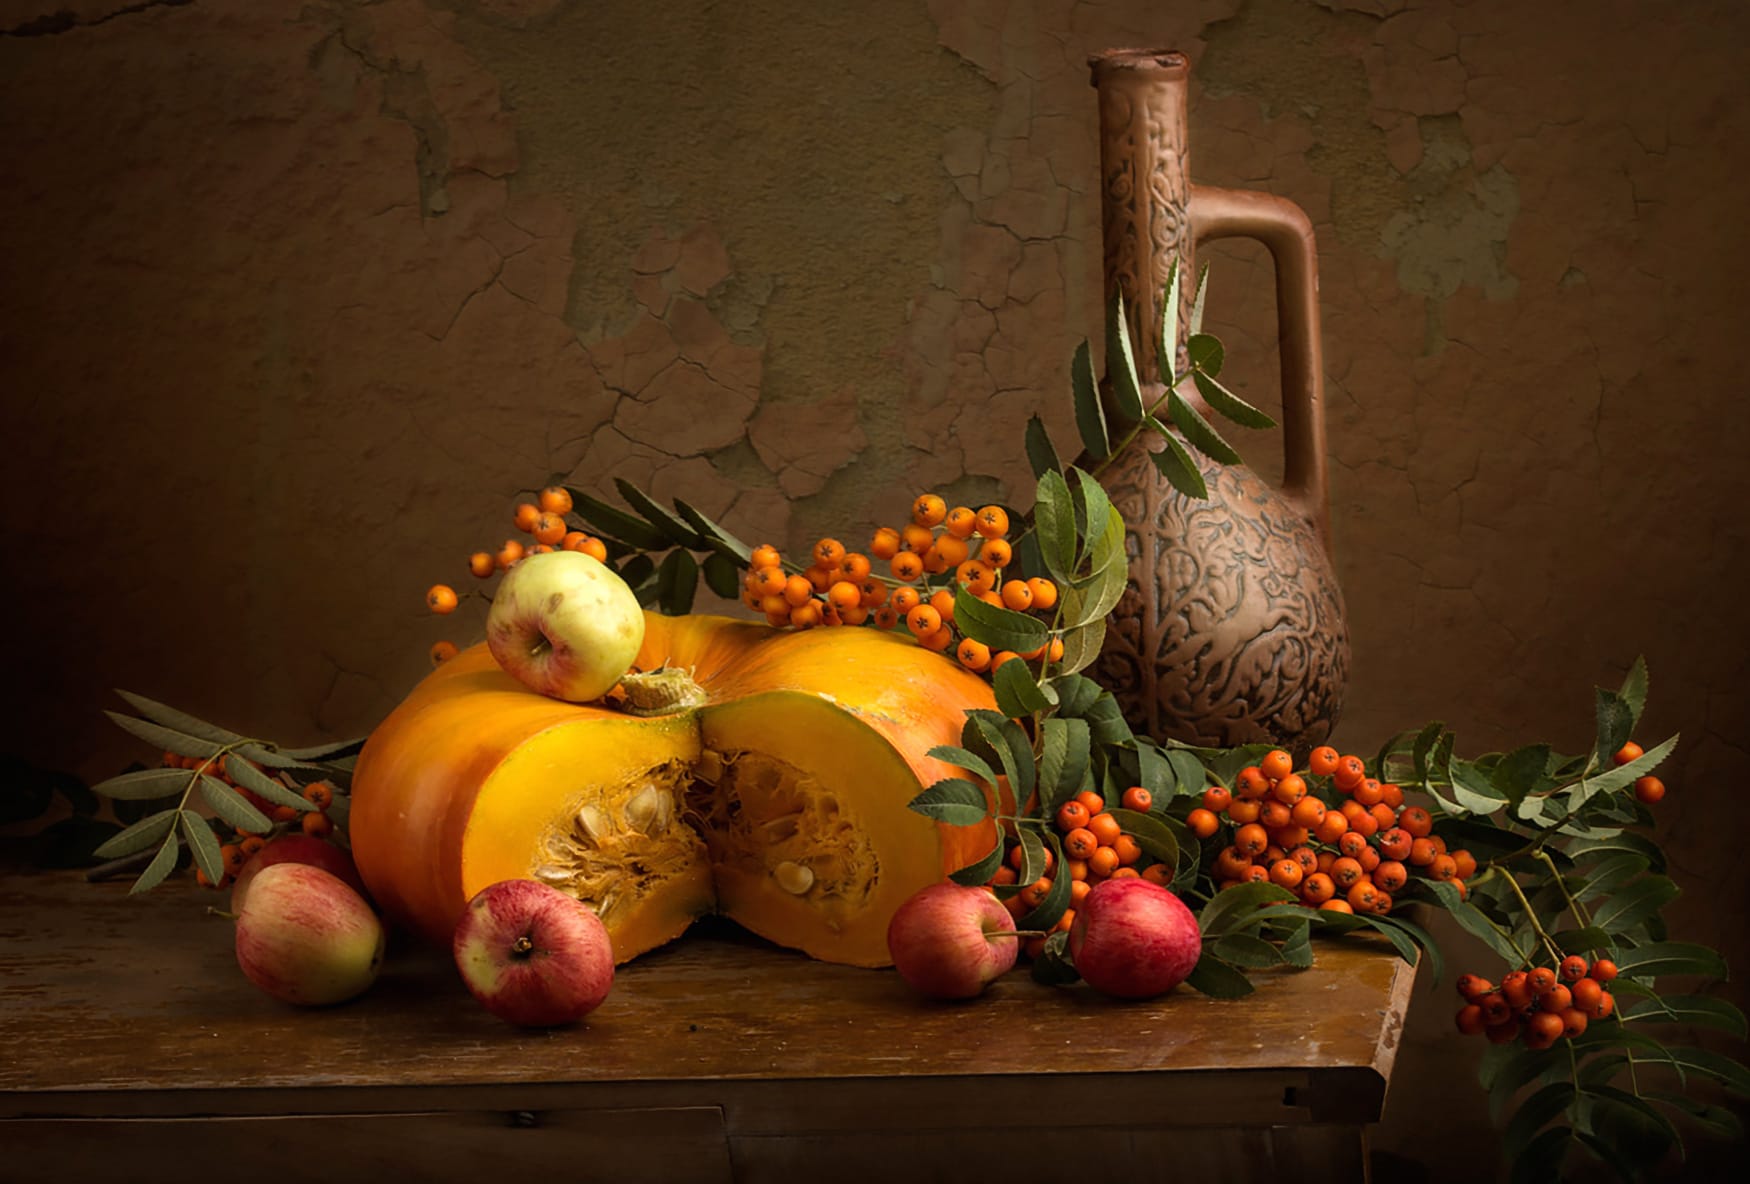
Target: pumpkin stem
(660, 692)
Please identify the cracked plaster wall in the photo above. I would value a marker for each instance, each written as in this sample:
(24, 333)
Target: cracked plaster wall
(300, 295)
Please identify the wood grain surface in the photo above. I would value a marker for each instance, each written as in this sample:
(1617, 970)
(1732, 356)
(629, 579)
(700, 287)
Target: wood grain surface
(114, 1007)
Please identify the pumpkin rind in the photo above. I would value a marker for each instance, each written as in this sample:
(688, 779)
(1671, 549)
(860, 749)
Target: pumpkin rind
(474, 778)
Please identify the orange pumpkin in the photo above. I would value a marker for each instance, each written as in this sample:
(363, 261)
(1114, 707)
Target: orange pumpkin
(777, 798)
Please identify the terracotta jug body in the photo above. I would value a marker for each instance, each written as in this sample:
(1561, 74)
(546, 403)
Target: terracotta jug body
(1231, 630)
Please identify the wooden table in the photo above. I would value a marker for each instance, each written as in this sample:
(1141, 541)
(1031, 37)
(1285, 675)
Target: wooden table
(132, 1049)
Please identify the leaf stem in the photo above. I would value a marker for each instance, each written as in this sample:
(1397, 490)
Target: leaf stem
(1531, 916)
(1574, 907)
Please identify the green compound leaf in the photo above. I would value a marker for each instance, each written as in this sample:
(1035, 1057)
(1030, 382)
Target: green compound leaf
(1040, 453)
(1175, 464)
(720, 540)
(980, 871)
(205, 847)
(139, 836)
(953, 800)
(998, 628)
(179, 721)
(1218, 979)
(1167, 344)
(233, 807)
(1090, 417)
(722, 575)
(1017, 692)
(615, 523)
(1198, 432)
(146, 785)
(1064, 746)
(1121, 373)
(677, 580)
(263, 786)
(672, 528)
(161, 866)
(1225, 403)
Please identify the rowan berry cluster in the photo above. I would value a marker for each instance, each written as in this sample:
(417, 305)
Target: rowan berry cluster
(239, 845)
(1335, 837)
(544, 520)
(941, 549)
(1538, 1006)
(1095, 848)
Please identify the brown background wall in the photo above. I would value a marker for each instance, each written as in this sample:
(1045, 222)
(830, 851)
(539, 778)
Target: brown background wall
(300, 295)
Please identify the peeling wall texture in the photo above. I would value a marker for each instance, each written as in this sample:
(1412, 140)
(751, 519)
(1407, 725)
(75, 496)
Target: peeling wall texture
(297, 297)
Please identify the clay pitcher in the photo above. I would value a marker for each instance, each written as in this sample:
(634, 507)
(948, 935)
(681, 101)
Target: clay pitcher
(1231, 630)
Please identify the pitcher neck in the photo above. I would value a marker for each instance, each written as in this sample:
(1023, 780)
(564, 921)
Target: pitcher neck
(1144, 189)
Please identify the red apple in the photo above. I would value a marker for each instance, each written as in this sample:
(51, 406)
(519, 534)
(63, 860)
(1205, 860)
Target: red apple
(943, 941)
(533, 955)
(1134, 939)
(304, 937)
(297, 849)
(565, 625)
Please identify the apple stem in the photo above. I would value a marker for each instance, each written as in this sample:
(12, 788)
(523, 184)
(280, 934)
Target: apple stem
(221, 913)
(522, 945)
(1018, 933)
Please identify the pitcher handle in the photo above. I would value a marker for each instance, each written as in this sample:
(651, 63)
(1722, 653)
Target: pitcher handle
(1287, 232)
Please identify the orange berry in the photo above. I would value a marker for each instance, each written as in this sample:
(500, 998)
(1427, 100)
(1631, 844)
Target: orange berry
(1105, 828)
(767, 581)
(1603, 971)
(907, 566)
(1276, 764)
(441, 652)
(1369, 858)
(1017, 595)
(1203, 823)
(1044, 593)
(541, 549)
(959, 522)
(1336, 905)
(1137, 798)
(1091, 801)
(844, 595)
(1322, 761)
(1240, 811)
(996, 552)
(1586, 993)
(1216, 798)
(939, 642)
(1351, 772)
(765, 555)
(1465, 864)
(1102, 863)
(1273, 814)
(852, 616)
(1231, 863)
(1369, 793)
(1079, 889)
(1346, 872)
(319, 794)
(1363, 897)
(806, 615)
(928, 510)
(549, 528)
(232, 859)
(1396, 843)
(595, 549)
(1256, 874)
(1250, 783)
(441, 599)
(1390, 875)
(1251, 839)
(525, 515)
(1444, 867)
(992, 522)
(974, 655)
(317, 824)
(250, 845)
(555, 499)
(798, 590)
(1287, 873)
(886, 617)
(1308, 812)
(1289, 788)
(481, 564)
(1422, 853)
(915, 538)
(1158, 873)
(885, 544)
(942, 600)
(1129, 850)
(1627, 753)
(977, 577)
(1317, 888)
(1417, 821)
(1392, 795)
(828, 552)
(923, 620)
(1072, 814)
(1080, 843)
(508, 554)
(1122, 872)
(997, 659)
(1649, 790)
